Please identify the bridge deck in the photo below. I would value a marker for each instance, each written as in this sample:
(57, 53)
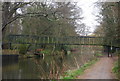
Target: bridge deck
(69, 40)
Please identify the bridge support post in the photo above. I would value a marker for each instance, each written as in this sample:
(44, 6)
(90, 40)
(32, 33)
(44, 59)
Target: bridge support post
(10, 47)
(107, 50)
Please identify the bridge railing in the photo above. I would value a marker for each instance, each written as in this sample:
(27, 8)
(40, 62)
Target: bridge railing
(70, 40)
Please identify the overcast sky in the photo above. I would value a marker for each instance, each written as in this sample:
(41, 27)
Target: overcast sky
(89, 13)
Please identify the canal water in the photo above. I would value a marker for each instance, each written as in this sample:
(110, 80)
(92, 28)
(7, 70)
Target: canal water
(49, 67)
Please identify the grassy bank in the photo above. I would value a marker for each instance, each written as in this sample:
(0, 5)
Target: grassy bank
(116, 70)
(74, 73)
(8, 51)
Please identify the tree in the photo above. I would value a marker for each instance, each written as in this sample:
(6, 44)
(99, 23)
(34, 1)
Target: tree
(51, 11)
(9, 11)
(59, 21)
(9, 14)
(109, 24)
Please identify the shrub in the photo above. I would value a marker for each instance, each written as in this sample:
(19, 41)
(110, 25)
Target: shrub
(46, 51)
(116, 70)
(98, 54)
(23, 48)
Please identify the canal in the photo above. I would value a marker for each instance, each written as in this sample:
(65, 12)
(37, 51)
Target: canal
(49, 67)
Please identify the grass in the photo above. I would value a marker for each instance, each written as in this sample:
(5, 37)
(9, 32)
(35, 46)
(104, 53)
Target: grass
(98, 55)
(46, 51)
(116, 69)
(74, 73)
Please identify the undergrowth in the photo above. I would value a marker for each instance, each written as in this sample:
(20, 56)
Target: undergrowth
(74, 73)
(116, 70)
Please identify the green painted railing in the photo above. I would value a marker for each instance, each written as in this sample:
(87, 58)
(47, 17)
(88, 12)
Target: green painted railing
(68, 40)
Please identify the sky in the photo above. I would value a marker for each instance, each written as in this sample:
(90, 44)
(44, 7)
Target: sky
(89, 13)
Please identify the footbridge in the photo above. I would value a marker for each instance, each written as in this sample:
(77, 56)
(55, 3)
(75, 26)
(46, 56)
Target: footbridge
(52, 40)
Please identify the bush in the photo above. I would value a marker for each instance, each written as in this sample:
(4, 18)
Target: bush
(23, 48)
(116, 70)
(46, 51)
(98, 54)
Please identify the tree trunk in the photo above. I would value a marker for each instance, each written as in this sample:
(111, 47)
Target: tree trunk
(5, 13)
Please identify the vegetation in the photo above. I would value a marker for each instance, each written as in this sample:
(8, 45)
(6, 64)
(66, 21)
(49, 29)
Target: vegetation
(8, 51)
(109, 23)
(23, 49)
(47, 52)
(98, 55)
(116, 69)
(52, 16)
(58, 20)
(74, 73)
(41, 19)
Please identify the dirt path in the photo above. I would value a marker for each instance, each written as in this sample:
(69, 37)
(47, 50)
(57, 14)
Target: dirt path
(101, 70)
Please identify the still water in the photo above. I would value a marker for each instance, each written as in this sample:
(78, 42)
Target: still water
(49, 67)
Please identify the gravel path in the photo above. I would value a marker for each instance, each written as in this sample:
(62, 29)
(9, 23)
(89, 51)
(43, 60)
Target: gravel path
(101, 70)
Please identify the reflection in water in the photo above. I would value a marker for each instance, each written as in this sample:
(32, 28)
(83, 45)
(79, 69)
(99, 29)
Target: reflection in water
(51, 67)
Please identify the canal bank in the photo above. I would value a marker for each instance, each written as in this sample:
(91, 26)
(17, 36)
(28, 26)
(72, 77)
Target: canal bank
(72, 74)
